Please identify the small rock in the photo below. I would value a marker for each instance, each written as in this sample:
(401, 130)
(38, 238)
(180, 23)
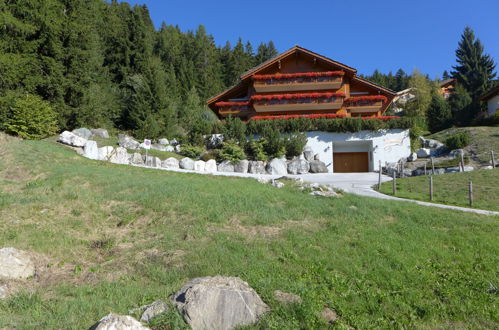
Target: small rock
(263, 180)
(151, 311)
(440, 151)
(352, 207)
(159, 147)
(456, 153)
(170, 149)
(71, 139)
(90, 150)
(163, 141)
(433, 144)
(174, 142)
(225, 166)
(329, 315)
(287, 298)
(187, 164)
(211, 166)
(83, 132)
(170, 163)
(308, 153)
(277, 167)
(316, 166)
(178, 148)
(4, 291)
(199, 165)
(324, 193)
(241, 166)
(100, 132)
(277, 184)
(489, 167)
(256, 167)
(15, 264)
(118, 322)
(412, 157)
(423, 153)
(295, 179)
(214, 141)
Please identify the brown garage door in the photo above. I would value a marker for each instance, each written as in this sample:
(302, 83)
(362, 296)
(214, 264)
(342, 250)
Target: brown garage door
(345, 162)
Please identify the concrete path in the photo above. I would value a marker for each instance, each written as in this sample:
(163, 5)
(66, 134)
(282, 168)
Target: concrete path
(353, 183)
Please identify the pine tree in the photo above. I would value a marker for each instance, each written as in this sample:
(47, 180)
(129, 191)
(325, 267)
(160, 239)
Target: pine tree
(445, 75)
(462, 106)
(401, 80)
(439, 114)
(474, 69)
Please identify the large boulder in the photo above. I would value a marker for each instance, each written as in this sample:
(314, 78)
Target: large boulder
(440, 151)
(100, 132)
(277, 167)
(225, 166)
(199, 165)
(71, 139)
(412, 157)
(210, 166)
(127, 142)
(15, 264)
(118, 322)
(170, 163)
(187, 163)
(83, 132)
(137, 159)
(151, 161)
(298, 166)
(241, 166)
(316, 166)
(90, 150)
(308, 153)
(219, 303)
(256, 167)
(423, 153)
(106, 152)
(120, 156)
(163, 141)
(214, 141)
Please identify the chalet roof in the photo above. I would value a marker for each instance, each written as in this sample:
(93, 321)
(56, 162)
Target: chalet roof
(490, 94)
(447, 82)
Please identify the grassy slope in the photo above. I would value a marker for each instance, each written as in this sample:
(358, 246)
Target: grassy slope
(114, 237)
(452, 188)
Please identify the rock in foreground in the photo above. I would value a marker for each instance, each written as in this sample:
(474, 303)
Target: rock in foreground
(15, 264)
(118, 322)
(219, 303)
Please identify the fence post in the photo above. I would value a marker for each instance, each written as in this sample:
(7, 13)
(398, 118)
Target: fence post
(432, 166)
(461, 167)
(394, 183)
(424, 168)
(493, 159)
(379, 176)
(470, 192)
(431, 188)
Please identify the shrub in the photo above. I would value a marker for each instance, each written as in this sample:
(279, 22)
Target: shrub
(255, 149)
(231, 151)
(234, 129)
(295, 143)
(206, 156)
(274, 144)
(29, 117)
(191, 151)
(439, 115)
(458, 141)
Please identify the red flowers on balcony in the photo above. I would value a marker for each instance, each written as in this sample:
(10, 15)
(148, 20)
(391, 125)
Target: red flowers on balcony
(312, 116)
(360, 100)
(283, 76)
(232, 104)
(296, 96)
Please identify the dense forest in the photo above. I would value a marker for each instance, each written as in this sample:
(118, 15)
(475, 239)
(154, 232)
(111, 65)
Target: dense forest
(101, 63)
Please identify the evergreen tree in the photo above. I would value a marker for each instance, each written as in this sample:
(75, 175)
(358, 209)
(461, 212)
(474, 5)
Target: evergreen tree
(401, 80)
(462, 106)
(445, 75)
(439, 114)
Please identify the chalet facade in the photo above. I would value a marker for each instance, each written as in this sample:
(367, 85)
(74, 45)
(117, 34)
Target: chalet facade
(301, 82)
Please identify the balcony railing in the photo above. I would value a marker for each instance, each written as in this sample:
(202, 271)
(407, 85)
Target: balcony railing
(293, 82)
(234, 108)
(362, 104)
(297, 102)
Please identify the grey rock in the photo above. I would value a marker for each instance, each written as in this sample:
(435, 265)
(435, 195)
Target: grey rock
(170, 149)
(178, 148)
(263, 180)
(120, 156)
(151, 311)
(256, 167)
(290, 178)
(118, 322)
(100, 132)
(225, 166)
(440, 151)
(316, 157)
(308, 153)
(412, 157)
(423, 153)
(286, 298)
(163, 141)
(327, 193)
(210, 166)
(277, 167)
(174, 142)
(456, 153)
(151, 161)
(199, 165)
(214, 141)
(127, 142)
(433, 144)
(15, 264)
(277, 184)
(219, 303)
(159, 147)
(105, 153)
(438, 171)
(83, 132)
(329, 315)
(419, 171)
(298, 166)
(4, 291)
(137, 159)
(241, 166)
(458, 169)
(316, 166)
(71, 139)
(488, 167)
(170, 163)
(406, 172)
(187, 164)
(90, 150)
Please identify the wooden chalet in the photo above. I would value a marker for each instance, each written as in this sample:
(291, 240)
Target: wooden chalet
(301, 82)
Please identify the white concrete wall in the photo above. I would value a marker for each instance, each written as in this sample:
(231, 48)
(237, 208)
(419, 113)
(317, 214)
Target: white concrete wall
(493, 105)
(385, 145)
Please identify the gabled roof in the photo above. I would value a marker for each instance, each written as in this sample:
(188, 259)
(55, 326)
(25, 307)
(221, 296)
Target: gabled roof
(490, 94)
(447, 82)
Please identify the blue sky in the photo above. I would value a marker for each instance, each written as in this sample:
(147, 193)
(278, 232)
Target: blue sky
(365, 34)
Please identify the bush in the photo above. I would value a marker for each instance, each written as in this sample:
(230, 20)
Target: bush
(274, 144)
(255, 149)
(232, 152)
(29, 117)
(206, 156)
(234, 129)
(439, 115)
(295, 143)
(191, 151)
(458, 141)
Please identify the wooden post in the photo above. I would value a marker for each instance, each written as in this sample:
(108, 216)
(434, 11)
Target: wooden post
(379, 177)
(431, 188)
(394, 183)
(401, 169)
(432, 166)
(470, 192)
(493, 159)
(425, 169)
(461, 167)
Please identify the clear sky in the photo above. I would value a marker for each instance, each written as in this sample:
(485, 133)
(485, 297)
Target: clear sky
(364, 34)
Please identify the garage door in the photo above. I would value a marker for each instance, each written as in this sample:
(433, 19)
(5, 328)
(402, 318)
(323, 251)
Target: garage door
(345, 162)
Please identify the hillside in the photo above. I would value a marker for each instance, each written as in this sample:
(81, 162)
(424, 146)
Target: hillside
(110, 238)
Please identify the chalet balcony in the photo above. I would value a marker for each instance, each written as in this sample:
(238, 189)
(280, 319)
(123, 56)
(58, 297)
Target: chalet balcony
(234, 108)
(293, 82)
(363, 104)
(297, 102)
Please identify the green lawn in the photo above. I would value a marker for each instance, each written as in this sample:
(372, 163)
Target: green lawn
(109, 238)
(452, 188)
